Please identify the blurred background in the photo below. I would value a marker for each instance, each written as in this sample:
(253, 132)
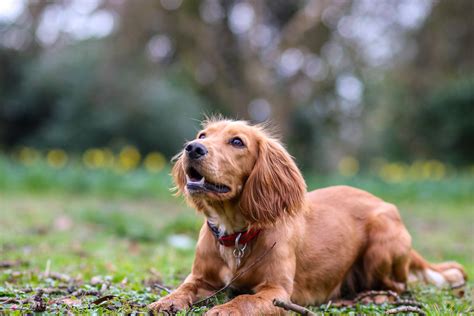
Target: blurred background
(360, 80)
(96, 96)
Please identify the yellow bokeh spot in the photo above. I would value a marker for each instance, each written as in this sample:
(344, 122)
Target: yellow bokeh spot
(94, 158)
(433, 169)
(155, 162)
(128, 159)
(393, 172)
(57, 158)
(28, 155)
(348, 166)
(109, 157)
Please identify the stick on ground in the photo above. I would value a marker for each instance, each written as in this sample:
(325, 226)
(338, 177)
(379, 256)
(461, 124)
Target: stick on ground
(293, 307)
(375, 293)
(405, 309)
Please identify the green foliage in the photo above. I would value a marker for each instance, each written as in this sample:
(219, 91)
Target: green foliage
(439, 125)
(452, 189)
(444, 125)
(67, 99)
(305, 140)
(40, 178)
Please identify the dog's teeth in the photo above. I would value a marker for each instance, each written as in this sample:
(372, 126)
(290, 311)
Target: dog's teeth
(200, 182)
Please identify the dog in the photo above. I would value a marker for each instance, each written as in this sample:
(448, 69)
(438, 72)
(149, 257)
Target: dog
(270, 238)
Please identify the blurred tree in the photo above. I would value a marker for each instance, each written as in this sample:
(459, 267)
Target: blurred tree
(325, 72)
(444, 124)
(425, 108)
(71, 92)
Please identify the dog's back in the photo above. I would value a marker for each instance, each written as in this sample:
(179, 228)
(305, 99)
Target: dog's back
(355, 241)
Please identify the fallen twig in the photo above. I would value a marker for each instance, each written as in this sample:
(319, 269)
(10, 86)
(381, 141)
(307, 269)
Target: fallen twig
(327, 306)
(375, 293)
(405, 309)
(54, 291)
(404, 306)
(103, 299)
(289, 306)
(162, 287)
(9, 300)
(82, 292)
(409, 303)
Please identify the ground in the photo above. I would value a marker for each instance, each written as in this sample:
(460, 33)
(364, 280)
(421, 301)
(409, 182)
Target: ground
(110, 242)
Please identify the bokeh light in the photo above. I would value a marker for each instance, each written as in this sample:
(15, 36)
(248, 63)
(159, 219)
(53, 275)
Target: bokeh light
(57, 158)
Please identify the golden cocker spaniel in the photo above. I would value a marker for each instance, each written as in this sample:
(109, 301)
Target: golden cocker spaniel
(312, 247)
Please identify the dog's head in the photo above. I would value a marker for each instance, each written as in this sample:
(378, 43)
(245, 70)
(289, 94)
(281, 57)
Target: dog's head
(234, 161)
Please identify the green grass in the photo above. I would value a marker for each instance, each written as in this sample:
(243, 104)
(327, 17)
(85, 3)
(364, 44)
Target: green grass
(108, 234)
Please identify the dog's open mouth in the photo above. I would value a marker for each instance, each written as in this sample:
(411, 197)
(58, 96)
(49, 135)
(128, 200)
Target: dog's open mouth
(195, 182)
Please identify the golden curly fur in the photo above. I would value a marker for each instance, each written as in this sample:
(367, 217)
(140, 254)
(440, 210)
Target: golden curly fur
(330, 243)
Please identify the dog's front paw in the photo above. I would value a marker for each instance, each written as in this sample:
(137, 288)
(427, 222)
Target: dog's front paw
(168, 305)
(223, 310)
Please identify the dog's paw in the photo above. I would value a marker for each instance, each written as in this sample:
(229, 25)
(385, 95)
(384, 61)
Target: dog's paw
(223, 310)
(168, 305)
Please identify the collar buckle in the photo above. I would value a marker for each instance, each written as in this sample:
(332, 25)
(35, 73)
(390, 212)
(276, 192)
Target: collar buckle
(239, 250)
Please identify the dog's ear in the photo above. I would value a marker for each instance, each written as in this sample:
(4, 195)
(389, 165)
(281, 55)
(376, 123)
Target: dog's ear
(178, 174)
(275, 187)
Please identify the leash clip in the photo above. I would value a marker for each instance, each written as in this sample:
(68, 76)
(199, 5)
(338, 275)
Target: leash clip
(239, 251)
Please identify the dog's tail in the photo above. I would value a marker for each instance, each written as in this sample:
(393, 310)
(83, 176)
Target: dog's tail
(439, 274)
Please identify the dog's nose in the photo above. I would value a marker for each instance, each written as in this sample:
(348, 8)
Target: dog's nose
(195, 150)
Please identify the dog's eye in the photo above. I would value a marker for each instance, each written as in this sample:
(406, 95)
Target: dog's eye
(236, 142)
(202, 135)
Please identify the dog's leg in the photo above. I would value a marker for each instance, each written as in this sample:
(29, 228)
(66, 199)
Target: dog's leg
(260, 303)
(441, 274)
(203, 280)
(187, 293)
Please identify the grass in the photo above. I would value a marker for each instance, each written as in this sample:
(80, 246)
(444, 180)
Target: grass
(101, 241)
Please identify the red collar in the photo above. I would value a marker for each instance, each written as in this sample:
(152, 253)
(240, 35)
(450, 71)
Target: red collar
(229, 240)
